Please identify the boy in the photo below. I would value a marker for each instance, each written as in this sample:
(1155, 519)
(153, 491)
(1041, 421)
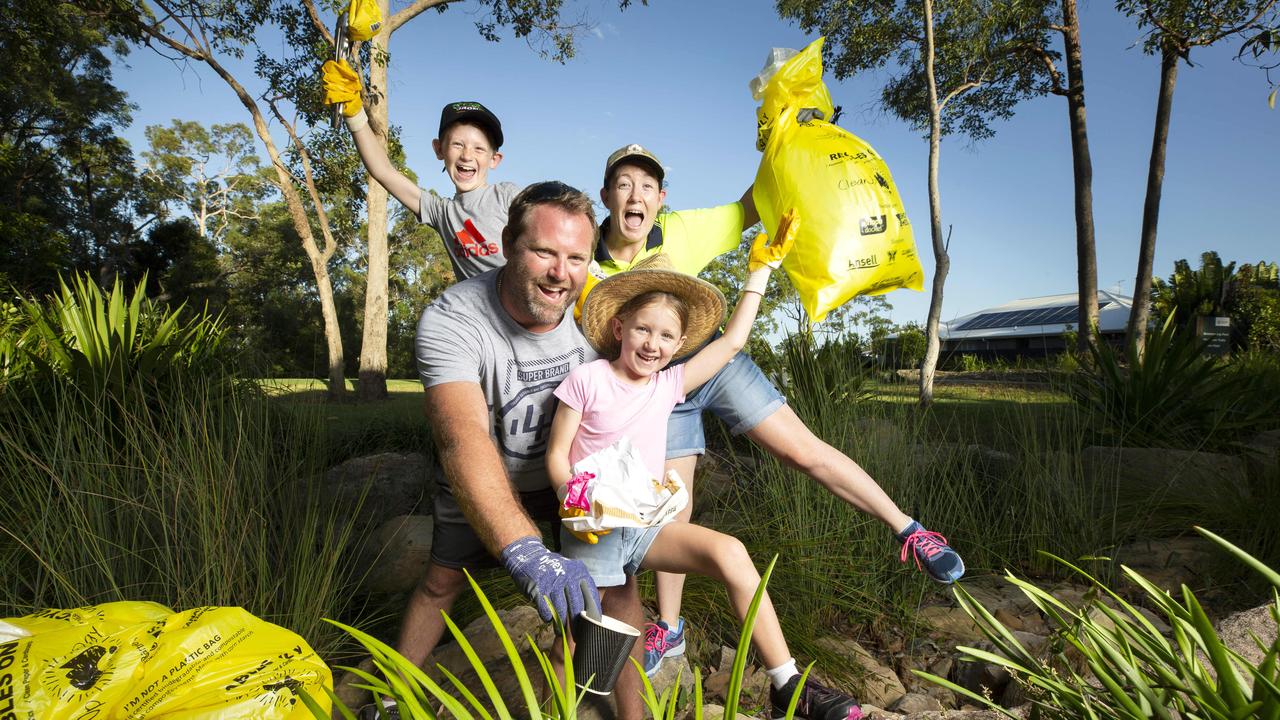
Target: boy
(471, 221)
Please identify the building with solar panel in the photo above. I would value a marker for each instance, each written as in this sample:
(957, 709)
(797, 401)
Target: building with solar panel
(1034, 327)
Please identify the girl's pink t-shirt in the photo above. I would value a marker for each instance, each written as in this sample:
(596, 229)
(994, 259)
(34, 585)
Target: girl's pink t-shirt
(611, 409)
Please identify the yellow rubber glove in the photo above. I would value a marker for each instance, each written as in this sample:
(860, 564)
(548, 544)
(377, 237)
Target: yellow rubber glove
(590, 538)
(341, 85)
(363, 19)
(769, 252)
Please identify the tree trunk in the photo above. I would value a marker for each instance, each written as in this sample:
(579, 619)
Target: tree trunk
(942, 263)
(298, 214)
(1082, 165)
(1141, 312)
(373, 344)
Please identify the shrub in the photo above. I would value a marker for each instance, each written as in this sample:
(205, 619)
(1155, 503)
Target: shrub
(105, 343)
(1171, 394)
(1106, 660)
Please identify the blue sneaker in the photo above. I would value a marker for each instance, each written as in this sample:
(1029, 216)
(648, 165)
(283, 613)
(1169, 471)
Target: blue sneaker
(931, 552)
(661, 642)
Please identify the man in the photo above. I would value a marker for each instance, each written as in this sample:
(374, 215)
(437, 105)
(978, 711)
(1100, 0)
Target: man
(739, 394)
(490, 352)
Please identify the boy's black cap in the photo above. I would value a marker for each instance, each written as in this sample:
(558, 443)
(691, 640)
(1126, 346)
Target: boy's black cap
(472, 111)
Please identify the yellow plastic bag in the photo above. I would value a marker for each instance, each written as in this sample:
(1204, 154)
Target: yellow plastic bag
(363, 19)
(856, 238)
(140, 660)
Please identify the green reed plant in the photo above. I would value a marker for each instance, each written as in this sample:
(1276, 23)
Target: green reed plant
(1171, 395)
(209, 498)
(1026, 489)
(418, 695)
(1107, 660)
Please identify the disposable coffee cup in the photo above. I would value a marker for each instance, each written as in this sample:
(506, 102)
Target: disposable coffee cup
(602, 646)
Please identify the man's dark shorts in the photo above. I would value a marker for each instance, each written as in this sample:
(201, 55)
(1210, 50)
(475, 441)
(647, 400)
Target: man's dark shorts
(455, 545)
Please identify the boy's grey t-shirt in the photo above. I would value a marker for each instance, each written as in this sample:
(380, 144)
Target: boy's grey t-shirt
(467, 336)
(470, 224)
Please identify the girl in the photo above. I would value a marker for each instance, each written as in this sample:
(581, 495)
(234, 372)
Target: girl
(640, 321)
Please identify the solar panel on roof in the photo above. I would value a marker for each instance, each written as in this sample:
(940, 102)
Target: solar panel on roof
(1054, 315)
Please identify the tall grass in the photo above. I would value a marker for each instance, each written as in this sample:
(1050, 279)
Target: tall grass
(200, 496)
(840, 567)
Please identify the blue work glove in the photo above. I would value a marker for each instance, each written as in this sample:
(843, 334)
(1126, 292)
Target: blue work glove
(545, 576)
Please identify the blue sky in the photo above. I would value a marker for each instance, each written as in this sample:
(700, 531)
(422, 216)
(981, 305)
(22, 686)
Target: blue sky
(673, 77)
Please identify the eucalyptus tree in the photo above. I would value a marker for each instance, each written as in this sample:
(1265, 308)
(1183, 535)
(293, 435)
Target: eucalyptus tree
(213, 33)
(1262, 50)
(1173, 28)
(956, 67)
(1067, 25)
(213, 173)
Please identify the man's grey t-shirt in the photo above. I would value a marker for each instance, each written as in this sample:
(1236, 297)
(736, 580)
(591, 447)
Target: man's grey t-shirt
(470, 224)
(467, 336)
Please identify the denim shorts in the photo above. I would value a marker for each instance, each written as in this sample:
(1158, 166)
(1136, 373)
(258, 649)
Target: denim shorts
(617, 555)
(740, 395)
(454, 544)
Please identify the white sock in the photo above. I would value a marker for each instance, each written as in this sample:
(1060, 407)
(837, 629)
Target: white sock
(898, 533)
(781, 674)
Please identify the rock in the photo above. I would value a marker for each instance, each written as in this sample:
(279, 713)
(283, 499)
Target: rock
(945, 697)
(1170, 563)
(1015, 694)
(727, 655)
(671, 670)
(392, 484)
(952, 623)
(345, 687)
(980, 677)
(1160, 473)
(711, 711)
(518, 622)
(1035, 644)
(396, 554)
(880, 684)
(1237, 631)
(716, 686)
(1262, 452)
(1008, 619)
(912, 703)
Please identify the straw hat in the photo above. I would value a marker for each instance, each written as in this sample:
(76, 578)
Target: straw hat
(706, 303)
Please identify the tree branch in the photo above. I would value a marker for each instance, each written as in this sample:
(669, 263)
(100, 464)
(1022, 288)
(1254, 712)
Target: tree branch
(314, 14)
(959, 89)
(322, 217)
(411, 12)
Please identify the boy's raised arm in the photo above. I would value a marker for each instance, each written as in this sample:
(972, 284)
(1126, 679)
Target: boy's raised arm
(342, 85)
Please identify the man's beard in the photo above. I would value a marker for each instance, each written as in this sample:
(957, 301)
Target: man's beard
(541, 310)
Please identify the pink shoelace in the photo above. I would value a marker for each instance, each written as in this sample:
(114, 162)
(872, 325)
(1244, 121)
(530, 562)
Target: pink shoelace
(922, 541)
(655, 637)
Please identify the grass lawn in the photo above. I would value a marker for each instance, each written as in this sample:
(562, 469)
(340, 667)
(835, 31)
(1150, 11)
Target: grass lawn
(361, 428)
(996, 415)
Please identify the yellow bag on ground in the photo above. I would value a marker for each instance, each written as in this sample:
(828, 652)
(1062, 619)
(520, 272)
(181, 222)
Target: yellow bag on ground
(135, 660)
(856, 238)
